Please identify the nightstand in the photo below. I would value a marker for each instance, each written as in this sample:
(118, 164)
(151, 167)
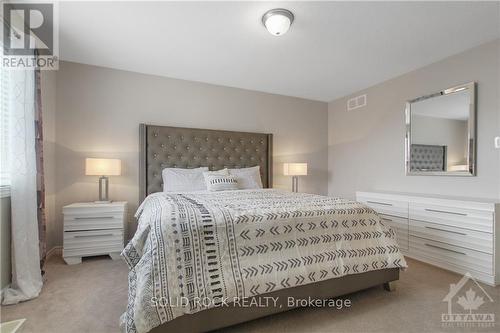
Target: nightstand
(92, 229)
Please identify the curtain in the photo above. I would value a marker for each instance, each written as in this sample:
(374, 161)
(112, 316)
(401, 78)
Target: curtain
(26, 274)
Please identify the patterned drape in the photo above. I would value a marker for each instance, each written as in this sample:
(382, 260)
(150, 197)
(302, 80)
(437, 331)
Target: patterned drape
(22, 167)
(39, 168)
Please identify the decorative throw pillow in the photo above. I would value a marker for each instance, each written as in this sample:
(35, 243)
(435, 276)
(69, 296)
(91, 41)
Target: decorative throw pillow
(248, 178)
(221, 182)
(183, 180)
(221, 172)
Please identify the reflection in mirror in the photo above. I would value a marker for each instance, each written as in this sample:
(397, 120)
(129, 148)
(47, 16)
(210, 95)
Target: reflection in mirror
(440, 133)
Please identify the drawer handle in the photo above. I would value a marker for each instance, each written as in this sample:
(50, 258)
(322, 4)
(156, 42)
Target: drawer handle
(86, 236)
(379, 203)
(93, 217)
(453, 232)
(444, 211)
(443, 248)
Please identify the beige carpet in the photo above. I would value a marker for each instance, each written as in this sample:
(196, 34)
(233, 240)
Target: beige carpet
(90, 297)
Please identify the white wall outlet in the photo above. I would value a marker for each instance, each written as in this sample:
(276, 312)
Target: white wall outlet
(497, 142)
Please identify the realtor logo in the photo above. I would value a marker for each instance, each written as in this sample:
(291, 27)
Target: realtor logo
(468, 303)
(29, 37)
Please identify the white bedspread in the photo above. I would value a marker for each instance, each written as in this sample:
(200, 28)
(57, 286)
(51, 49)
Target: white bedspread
(193, 251)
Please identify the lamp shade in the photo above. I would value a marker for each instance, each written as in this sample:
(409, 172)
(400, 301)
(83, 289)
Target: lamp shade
(102, 167)
(295, 169)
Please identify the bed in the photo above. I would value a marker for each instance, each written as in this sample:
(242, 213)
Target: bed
(202, 261)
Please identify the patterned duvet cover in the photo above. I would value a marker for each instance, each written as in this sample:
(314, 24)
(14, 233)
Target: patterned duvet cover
(193, 251)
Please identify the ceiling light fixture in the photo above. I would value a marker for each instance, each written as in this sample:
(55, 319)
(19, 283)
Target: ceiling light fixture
(277, 21)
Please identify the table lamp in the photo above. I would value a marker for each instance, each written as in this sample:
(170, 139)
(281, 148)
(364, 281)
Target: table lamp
(103, 167)
(295, 170)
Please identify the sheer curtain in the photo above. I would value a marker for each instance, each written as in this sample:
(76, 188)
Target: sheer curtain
(22, 171)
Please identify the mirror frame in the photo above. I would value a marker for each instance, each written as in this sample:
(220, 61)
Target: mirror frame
(471, 148)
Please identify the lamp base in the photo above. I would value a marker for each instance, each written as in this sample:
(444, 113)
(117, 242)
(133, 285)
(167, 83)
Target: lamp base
(103, 201)
(295, 184)
(103, 189)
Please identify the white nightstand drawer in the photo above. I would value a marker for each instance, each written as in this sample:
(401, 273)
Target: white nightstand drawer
(91, 251)
(75, 223)
(93, 229)
(95, 209)
(83, 239)
(95, 242)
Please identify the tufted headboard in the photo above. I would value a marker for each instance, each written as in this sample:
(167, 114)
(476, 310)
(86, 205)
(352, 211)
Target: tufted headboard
(428, 157)
(178, 147)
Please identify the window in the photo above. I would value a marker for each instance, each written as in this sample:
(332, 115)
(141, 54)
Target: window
(4, 127)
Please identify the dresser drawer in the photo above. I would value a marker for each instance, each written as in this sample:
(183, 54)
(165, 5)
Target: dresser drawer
(450, 256)
(474, 240)
(400, 227)
(453, 233)
(385, 206)
(452, 216)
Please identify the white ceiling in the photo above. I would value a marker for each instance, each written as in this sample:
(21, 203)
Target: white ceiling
(332, 49)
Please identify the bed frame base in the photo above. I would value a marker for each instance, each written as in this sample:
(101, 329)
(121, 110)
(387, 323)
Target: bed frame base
(390, 286)
(220, 317)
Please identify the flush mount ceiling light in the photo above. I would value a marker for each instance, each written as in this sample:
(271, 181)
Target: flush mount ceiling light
(277, 21)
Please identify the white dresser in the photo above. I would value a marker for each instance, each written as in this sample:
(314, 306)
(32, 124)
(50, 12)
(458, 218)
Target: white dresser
(92, 229)
(457, 234)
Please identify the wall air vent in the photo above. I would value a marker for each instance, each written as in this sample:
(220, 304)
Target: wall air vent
(356, 102)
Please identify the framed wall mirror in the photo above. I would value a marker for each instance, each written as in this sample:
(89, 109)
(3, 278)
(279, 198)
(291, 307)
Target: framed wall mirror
(441, 133)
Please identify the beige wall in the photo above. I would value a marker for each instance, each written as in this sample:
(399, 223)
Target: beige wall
(366, 145)
(99, 111)
(48, 83)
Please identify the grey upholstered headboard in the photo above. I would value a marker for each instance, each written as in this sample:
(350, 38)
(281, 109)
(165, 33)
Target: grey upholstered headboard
(177, 147)
(428, 157)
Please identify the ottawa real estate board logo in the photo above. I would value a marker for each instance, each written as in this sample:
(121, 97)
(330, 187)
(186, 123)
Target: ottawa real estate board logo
(29, 35)
(469, 305)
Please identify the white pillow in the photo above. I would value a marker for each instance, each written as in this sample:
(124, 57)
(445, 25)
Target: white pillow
(248, 178)
(180, 180)
(221, 182)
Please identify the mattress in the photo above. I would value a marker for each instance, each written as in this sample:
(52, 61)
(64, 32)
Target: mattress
(196, 251)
